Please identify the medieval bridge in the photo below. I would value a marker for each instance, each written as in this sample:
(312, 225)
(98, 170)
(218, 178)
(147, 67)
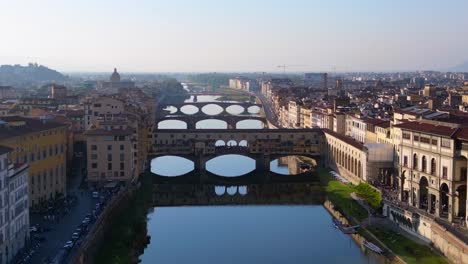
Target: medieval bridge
(262, 145)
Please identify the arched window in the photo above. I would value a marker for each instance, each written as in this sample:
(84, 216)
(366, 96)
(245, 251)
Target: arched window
(433, 166)
(424, 164)
(415, 161)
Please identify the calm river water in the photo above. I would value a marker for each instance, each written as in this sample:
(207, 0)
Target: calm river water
(243, 234)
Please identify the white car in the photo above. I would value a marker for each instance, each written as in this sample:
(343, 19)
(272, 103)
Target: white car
(68, 245)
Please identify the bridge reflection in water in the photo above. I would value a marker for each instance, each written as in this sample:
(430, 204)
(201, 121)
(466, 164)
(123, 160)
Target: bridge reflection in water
(252, 194)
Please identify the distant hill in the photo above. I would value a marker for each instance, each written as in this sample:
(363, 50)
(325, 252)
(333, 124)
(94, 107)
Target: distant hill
(460, 68)
(32, 73)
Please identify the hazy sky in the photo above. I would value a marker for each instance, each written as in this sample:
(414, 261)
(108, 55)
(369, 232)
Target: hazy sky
(234, 35)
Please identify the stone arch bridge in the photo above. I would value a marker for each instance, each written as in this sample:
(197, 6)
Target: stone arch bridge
(200, 105)
(262, 145)
(192, 120)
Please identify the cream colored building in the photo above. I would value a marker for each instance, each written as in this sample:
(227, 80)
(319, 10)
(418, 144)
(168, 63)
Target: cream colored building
(111, 155)
(432, 167)
(14, 210)
(305, 119)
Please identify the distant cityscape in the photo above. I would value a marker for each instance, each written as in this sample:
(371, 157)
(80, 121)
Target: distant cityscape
(75, 146)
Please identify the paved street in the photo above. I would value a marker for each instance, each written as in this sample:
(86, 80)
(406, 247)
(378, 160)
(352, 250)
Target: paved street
(269, 114)
(62, 229)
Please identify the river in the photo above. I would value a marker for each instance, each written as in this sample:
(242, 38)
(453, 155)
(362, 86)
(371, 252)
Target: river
(243, 234)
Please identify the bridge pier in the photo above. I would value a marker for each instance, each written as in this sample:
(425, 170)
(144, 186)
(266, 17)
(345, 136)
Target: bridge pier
(200, 167)
(191, 125)
(262, 165)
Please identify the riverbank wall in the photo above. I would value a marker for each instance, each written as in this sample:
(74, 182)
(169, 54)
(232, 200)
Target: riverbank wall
(359, 238)
(426, 228)
(87, 250)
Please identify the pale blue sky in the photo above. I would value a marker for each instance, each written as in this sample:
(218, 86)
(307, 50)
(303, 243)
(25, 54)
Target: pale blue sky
(234, 35)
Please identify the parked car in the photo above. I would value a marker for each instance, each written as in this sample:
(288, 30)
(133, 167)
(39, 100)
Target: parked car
(69, 245)
(75, 236)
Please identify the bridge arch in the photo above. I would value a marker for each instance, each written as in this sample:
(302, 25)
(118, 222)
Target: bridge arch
(172, 124)
(209, 124)
(230, 165)
(250, 122)
(217, 109)
(295, 164)
(220, 143)
(173, 166)
(243, 143)
(235, 109)
(220, 190)
(254, 109)
(189, 109)
(232, 190)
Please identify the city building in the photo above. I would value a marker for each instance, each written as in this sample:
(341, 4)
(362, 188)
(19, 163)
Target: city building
(43, 145)
(242, 83)
(14, 211)
(114, 84)
(58, 92)
(432, 166)
(111, 155)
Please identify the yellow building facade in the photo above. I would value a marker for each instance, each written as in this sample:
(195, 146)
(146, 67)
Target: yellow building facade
(43, 145)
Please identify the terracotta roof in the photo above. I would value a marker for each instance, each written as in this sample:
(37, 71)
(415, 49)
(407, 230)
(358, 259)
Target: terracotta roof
(4, 150)
(31, 126)
(344, 138)
(385, 124)
(373, 121)
(428, 128)
(462, 134)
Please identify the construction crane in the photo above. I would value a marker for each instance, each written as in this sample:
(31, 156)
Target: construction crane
(284, 66)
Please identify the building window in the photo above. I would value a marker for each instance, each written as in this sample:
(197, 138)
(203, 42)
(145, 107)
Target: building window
(93, 147)
(433, 166)
(424, 164)
(109, 157)
(122, 156)
(122, 147)
(444, 172)
(122, 166)
(406, 136)
(405, 161)
(416, 138)
(94, 156)
(94, 165)
(122, 174)
(415, 161)
(425, 140)
(109, 166)
(109, 147)
(434, 142)
(445, 143)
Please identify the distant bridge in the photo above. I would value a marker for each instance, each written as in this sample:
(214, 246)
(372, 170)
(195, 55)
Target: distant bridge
(200, 105)
(192, 120)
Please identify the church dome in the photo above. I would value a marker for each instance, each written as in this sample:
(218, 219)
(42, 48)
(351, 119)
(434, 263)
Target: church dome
(115, 77)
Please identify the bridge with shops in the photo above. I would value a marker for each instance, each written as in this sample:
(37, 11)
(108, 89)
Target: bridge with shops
(262, 145)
